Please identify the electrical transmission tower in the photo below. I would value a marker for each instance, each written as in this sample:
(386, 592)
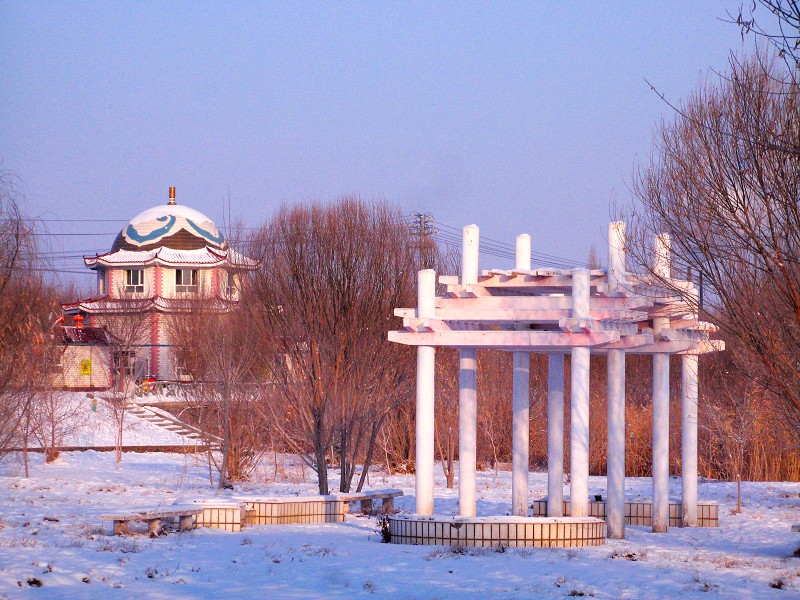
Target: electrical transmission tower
(423, 223)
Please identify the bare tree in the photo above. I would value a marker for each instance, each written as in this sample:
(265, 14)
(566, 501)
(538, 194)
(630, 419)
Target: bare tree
(54, 417)
(23, 301)
(724, 184)
(446, 416)
(781, 31)
(324, 296)
(495, 373)
(214, 342)
(128, 331)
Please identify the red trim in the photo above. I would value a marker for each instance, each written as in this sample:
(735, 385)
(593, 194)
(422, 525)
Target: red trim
(154, 366)
(157, 275)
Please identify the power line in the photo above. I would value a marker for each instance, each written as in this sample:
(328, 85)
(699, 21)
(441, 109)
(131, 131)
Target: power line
(419, 223)
(82, 234)
(82, 220)
(492, 247)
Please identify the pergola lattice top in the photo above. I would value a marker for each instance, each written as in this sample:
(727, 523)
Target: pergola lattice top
(533, 310)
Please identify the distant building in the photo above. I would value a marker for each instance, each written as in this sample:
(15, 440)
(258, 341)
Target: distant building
(162, 259)
(82, 357)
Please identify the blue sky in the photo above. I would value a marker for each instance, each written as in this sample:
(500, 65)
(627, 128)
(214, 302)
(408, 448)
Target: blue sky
(518, 116)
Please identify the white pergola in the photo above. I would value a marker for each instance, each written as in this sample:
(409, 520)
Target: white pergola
(581, 312)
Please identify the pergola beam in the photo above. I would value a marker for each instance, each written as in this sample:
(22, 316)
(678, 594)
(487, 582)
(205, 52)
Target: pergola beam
(532, 341)
(524, 315)
(543, 341)
(542, 303)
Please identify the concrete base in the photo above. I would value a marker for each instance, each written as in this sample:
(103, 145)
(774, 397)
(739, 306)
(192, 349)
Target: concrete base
(228, 516)
(641, 513)
(514, 532)
(313, 509)
(286, 511)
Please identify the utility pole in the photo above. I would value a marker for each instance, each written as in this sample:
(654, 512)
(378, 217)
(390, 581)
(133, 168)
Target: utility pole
(424, 229)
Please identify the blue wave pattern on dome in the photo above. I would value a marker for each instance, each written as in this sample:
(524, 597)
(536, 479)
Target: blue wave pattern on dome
(134, 236)
(218, 239)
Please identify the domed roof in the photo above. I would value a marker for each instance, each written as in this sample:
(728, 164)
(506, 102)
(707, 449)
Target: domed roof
(169, 226)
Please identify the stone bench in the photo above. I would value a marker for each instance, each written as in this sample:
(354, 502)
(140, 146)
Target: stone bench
(284, 510)
(365, 499)
(153, 517)
(218, 513)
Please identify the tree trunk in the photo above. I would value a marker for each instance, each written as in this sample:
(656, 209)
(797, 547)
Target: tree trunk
(376, 425)
(450, 455)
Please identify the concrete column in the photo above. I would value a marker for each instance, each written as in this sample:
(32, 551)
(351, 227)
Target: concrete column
(520, 435)
(579, 433)
(689, 398)
(661, 256)
(616, 256)
(660, 442)
(523, 252)
(426, 367)
(470, 236)
(468, 387)
(579, 387)
(615, 504)
(520, 445)
(555, 435)
(467, 430)
(661, 267)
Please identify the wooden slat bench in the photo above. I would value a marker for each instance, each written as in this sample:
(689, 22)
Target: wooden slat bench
(153, 517)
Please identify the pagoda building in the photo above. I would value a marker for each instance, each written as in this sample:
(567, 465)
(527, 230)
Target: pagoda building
(163, 261)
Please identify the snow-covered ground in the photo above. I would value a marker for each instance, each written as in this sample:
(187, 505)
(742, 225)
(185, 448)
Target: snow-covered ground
(50, 533)
(89, 421)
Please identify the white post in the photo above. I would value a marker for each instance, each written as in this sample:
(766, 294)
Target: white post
(520, 435)
(470, 236)
(661, 259)
(467, 430)
(523, 253)
(689, 399)
(521, 406)
(660, 443)
(615, 504)
(616, 256)
(468, 388)
(661, 267)
(579, 422)
(555, 435)
(426, 367)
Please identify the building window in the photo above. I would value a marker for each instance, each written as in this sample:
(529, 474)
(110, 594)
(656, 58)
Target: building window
(233, 286)
(182, 372)
(101, 281)
(125, 362)
(56, 360)
(185, 280)
(134, 280)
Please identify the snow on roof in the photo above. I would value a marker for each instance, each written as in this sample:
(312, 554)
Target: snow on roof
(71, 334)
(178, 210)
(169, 225)
(157, 303)
(239, 260)
(202, 257)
